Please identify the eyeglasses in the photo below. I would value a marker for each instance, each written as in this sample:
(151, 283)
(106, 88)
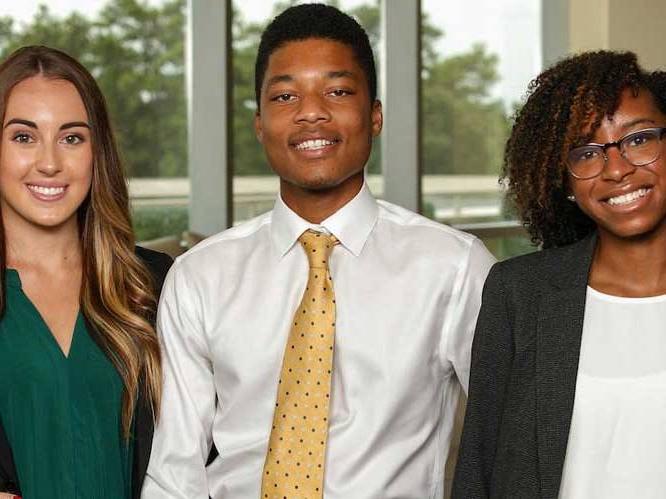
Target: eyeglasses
(638, 148)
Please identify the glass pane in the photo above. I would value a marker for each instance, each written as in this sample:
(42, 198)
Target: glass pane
(135, 50)
(255, 185)
(478, 57)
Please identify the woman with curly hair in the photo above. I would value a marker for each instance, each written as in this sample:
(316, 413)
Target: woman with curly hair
(567, 394)
(80, 370)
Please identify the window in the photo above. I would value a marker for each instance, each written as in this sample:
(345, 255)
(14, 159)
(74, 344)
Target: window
(477, 59)
(135, 50)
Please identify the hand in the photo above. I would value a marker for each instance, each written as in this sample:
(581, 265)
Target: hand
(4, 495)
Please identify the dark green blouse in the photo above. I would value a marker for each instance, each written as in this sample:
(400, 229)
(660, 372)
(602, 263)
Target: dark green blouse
(61, 414)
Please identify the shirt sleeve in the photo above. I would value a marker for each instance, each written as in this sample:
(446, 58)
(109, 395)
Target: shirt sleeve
(491, 367)
(183, 434)
(466, 295)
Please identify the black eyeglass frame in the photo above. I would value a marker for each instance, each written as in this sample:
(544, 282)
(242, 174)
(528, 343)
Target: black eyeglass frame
(659, 132)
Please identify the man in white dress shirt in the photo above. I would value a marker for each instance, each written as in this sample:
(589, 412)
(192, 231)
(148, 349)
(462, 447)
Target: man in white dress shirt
(407, 293)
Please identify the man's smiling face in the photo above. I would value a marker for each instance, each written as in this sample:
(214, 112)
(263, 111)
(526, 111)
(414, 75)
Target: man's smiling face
(316, 120)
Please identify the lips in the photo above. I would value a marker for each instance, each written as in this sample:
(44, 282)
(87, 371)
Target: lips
(47, 192)
(313, 142)
(629, 197)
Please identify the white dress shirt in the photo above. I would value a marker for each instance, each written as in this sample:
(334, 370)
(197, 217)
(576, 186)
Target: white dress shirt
(408, 291)
(617, 440)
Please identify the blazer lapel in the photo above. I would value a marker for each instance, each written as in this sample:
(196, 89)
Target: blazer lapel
(559, 333)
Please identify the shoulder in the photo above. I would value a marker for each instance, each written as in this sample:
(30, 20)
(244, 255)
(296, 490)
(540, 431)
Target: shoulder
(239, 234)
(157, 263)
(413, 225)
(524, 278)
(152, 258)
(543, 264)
(225, 250)
(430, 240)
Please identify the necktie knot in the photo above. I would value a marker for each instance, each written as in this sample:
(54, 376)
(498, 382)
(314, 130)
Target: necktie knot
(318, 247)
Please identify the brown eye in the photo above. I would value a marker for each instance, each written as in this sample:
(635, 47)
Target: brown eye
(340, 92)
(22, 138)
(283, 98)
(640, 139)
(73, 139)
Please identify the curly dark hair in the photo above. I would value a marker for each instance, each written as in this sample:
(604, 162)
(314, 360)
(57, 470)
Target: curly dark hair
(565, 106)
(314, 20)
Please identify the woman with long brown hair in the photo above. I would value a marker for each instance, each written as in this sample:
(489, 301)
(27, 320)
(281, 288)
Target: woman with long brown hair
(80, 367)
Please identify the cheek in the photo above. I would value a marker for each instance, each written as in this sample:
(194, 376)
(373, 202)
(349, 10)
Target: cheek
(359, 130)
(273, 123)
(82, 164)
(360, 123)
(271, 140)
(585, 199)
(87, 179)
(15, 163)
(582, 189)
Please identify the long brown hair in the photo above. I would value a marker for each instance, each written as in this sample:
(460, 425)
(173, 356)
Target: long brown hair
(117, 297)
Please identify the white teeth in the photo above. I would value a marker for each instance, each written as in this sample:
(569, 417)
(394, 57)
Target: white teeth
(310, 145)
(628, 198)
(46, 191)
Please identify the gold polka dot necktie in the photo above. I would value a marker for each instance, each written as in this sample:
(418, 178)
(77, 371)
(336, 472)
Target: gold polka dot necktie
(294, 466)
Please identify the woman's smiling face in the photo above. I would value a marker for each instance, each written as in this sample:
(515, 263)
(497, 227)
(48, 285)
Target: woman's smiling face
(624, 200)
(45, 154)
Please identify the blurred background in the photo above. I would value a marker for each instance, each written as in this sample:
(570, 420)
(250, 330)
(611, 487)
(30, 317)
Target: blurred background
(178, 77)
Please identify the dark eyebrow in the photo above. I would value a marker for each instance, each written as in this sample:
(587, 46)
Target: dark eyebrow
(73, 124)
(637, 121)
(286, 78)
(279, 79)
(19, 121)
(340, 74)
(32, 124)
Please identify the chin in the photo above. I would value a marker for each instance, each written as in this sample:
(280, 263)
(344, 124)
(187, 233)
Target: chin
(636, 231)
(51, 223)
(318, 185)
(325, 183)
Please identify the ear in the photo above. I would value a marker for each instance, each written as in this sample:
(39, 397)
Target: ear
(258, 129)
(377, 117)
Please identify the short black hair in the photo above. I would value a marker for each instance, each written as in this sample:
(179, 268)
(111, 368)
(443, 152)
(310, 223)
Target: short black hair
(315, 20)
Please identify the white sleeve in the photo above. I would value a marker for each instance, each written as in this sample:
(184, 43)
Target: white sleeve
(467, 292)
(183, 435)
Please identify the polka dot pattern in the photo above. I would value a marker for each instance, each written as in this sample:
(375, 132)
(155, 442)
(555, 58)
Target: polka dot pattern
(294, 467)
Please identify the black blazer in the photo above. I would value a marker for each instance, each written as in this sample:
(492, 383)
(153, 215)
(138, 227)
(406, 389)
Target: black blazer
(523, 375)
(158, 264)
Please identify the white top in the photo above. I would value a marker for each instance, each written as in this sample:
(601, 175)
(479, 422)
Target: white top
(408, 291)
(617, 442)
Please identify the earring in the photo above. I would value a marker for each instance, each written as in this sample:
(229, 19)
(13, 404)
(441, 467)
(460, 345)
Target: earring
(571, 198)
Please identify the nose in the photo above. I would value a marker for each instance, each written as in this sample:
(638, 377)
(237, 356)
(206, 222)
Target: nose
(312, 109)
(617, 166)
(48, 162)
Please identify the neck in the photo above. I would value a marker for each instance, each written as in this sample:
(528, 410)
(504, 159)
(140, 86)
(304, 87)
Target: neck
(632, 267)
(29, 246)
(316, 206)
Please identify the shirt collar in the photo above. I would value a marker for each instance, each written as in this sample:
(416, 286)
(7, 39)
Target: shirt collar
(351, 224)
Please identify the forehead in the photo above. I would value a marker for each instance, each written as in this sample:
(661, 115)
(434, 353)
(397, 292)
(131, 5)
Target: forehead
(40, 96)
(634, 107)
(312, 56)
